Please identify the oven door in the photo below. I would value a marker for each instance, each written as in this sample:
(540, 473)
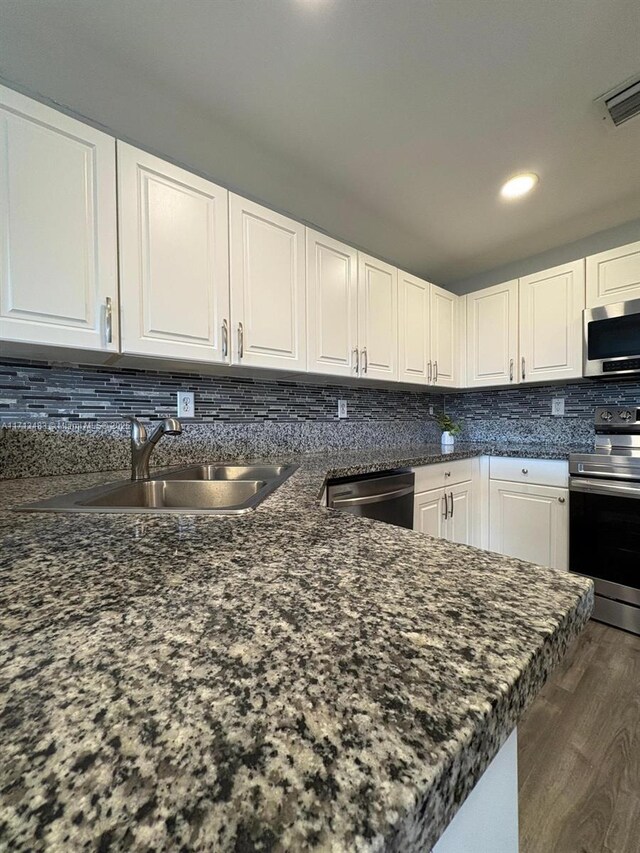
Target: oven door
(612, 339)
(604, 536)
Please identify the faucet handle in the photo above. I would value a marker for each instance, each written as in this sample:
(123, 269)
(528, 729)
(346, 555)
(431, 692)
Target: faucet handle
(138, 431)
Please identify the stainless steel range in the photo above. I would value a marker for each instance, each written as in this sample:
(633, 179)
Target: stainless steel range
(604, 515)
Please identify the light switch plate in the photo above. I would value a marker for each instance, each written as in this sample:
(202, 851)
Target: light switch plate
(186, 404)
(342, 409)
(557, 406)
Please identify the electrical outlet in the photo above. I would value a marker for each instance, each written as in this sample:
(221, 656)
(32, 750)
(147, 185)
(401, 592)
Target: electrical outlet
(557, 406)
(342, 408)
(186, 404)
(431, 412)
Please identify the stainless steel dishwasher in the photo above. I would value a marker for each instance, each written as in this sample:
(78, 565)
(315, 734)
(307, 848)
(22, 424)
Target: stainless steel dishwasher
(385, 496)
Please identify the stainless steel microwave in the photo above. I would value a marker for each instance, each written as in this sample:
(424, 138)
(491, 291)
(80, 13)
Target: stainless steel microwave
(612, 339)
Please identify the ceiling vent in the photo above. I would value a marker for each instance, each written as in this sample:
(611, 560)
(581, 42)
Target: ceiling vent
(622, 103)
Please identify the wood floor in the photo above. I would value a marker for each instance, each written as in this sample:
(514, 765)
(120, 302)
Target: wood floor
(579, 751)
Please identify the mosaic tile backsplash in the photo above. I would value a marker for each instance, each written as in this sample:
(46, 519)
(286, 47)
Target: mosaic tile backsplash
(524, 414)
(35, 391)
(62, 419)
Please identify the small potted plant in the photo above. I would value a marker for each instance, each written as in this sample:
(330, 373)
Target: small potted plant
(449, 427)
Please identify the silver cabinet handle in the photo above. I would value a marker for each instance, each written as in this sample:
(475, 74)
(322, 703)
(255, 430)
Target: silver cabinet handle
(240, 340)
(365, 360)
(511, 370)
(525, 470)
(447, 473)
(561, 500)
(451, 496)
(435, 370)
(356, 366)
(523, 370)
(225, 339)
(430, 372)
(446, 507)
(108, 320)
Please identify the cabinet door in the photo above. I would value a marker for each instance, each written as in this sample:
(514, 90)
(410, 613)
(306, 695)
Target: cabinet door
(551, 305)
(428, 513)
(267, 287)
(332, 306)
(461, 522)
(174, 271)
(444, 337)
(492, 335)
(613, 276)
(414, 333)
(529, 522)
(58, 277)
(377, 318)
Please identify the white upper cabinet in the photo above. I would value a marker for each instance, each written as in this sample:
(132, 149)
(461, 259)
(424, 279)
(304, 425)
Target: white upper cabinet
(58, 276)
(551, 305)
(492, 335)
(444, 337)
(332, 306)
(377, 318)
(414, 333)
(174, 271)
(613, 276)
(267, 287)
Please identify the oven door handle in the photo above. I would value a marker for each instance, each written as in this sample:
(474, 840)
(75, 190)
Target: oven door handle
(600, 487)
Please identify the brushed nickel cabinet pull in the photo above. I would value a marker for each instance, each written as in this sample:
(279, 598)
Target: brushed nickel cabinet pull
(446, 506)
(225, 339)
(365, 361)
(435, 367)
(356, 366)
(523, 370)
(511, 370)
(240, 340)
(108, 320)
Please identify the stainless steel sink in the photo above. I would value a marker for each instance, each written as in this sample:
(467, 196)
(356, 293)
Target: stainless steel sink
(225, 472)
(212, 489)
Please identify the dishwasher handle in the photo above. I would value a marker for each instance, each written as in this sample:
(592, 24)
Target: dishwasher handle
(371, 499)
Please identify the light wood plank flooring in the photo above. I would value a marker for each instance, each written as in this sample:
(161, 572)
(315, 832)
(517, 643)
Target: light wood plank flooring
(579, 751)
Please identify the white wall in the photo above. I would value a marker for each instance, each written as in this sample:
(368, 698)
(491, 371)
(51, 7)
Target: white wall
(599, 242)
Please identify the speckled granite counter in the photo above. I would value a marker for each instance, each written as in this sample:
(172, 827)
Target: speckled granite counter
(295, 679)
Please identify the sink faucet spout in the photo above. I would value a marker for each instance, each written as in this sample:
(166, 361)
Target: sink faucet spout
(142, 444)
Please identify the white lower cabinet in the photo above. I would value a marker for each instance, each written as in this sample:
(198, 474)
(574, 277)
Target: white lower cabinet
(446, 513)
(428, 513)
(517, 507)
(530, 522)
(446, 503)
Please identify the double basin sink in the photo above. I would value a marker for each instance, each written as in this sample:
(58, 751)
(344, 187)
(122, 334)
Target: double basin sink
(213, 489)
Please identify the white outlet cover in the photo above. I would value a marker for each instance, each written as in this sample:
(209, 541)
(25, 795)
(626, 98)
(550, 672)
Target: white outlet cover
(186, 404)
(557, 406)
(342, 409)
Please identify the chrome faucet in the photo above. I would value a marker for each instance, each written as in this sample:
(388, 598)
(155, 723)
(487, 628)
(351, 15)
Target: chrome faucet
(141, 445)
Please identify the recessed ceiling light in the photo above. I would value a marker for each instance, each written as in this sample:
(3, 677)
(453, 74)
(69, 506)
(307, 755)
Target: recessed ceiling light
(519, 185)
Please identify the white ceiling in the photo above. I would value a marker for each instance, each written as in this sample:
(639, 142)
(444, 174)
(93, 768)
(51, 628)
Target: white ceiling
(389, 123)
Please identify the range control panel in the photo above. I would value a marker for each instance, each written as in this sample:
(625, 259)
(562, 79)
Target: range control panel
(617, 419)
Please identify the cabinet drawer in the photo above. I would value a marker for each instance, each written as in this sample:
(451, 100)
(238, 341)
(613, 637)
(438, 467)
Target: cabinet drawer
(544, 472)
(443, 474)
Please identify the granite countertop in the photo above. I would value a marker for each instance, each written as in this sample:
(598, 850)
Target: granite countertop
(292, 679)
